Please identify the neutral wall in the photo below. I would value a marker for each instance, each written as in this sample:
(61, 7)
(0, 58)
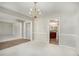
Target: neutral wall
(77, 31)
(9, 30)
(16, 27)
(41, 30)
(68, 29)
(68, 34)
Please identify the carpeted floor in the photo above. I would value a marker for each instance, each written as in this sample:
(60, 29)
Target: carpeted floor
(11, 43)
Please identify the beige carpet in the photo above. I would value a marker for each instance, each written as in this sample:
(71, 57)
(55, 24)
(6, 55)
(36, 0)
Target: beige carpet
(11, 43)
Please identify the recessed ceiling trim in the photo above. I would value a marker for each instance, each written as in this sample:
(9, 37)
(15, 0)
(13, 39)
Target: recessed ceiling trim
(14, 13)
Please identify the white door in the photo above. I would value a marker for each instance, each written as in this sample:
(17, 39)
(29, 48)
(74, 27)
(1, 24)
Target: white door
(28, 31)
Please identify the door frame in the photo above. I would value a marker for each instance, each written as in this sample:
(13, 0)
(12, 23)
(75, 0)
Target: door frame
(30, 23)
(58, 32)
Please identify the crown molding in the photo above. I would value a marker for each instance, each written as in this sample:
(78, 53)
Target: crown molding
(14, 13)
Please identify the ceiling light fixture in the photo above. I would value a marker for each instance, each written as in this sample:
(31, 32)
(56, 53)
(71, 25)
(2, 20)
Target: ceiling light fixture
(35, 11)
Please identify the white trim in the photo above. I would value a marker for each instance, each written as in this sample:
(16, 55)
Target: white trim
(69, 34)
(13, 13)
(58, 33)
(30, 30)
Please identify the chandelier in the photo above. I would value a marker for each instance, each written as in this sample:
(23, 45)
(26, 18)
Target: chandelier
(35, 11)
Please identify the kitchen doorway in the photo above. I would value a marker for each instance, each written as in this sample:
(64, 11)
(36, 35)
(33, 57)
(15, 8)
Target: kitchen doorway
(54, 31)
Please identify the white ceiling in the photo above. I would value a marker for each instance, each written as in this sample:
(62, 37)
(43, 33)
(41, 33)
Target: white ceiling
(47, 8)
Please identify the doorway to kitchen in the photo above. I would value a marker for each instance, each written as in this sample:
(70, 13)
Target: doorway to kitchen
(54, 31)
